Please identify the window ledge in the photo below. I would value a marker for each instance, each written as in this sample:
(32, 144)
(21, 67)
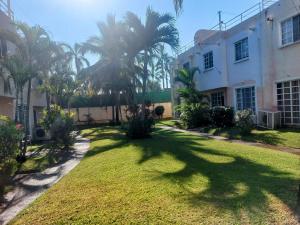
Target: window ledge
(289, 44)
(207, 70)
(241, 60)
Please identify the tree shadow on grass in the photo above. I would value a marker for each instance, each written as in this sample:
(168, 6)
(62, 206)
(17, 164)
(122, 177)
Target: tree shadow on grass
(235, 184)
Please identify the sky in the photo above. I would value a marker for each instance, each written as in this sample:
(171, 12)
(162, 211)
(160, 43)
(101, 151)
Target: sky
(74, 21)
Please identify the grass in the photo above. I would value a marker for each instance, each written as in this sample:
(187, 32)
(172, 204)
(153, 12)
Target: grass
(171, 178)
(282, 137)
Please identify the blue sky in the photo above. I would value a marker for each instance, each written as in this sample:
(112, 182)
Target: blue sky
(75, 20)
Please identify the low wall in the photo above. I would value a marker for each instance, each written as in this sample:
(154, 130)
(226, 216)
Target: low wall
(104, 114)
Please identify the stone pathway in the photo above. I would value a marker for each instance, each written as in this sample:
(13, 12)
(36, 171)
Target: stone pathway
(197, 133)
(31, 186)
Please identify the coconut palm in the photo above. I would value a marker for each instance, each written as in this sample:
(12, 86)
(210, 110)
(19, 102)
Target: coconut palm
(157, 29)
(31, 43)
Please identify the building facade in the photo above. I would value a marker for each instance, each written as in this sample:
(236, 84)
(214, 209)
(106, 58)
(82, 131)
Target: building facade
(8, 95)
(251, 63)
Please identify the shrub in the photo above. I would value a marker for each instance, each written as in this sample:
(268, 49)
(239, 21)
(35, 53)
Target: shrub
(60, 124)
(195, 115)
(10, 137)
(137, 126)
(159, 111)
(222, 116)
(244, 121)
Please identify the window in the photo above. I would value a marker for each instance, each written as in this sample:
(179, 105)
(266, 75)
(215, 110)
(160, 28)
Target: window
(290, 30)
(241, 49)
(208, 60)
(288, 102)
(245, 99)
(186, 66)
(217, 99)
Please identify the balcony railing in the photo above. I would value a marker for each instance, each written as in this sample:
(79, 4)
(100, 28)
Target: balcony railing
(224, 26)
(6, 9)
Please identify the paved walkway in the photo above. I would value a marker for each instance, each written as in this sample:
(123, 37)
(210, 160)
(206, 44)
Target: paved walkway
(198, 133)
(31, 186)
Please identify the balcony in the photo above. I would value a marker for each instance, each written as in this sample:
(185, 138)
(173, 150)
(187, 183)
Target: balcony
(5, 7)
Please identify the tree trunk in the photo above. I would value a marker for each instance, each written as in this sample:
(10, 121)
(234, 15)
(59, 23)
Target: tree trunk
(28, 107)
(48, 100)
(144, 87)
(17, 104)
(298, 201)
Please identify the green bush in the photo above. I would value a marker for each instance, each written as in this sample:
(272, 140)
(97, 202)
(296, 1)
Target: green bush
(10, 137)
(195, 115)
(137, 126)
(244, 121)
(159, 111)
(60, 124)
(222, 116)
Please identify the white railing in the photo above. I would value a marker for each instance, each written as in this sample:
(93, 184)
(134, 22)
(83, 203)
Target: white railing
(224, 26)
(5, 8)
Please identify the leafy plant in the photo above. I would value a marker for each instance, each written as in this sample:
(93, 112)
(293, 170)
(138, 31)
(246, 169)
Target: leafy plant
(60, 124)
(194, 115)
(244, 121)
(222, 116)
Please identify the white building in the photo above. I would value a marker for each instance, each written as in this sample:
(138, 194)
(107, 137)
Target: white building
(252, 61)
(7, 98)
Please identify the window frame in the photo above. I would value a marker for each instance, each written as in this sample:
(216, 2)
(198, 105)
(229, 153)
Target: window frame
(253, 95)
(243, 55)
(220, 95)
(291, 40)
(208, 60)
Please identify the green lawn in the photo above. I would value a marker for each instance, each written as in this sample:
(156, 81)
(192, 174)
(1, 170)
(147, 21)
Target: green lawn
(282, 137)
(171, 178)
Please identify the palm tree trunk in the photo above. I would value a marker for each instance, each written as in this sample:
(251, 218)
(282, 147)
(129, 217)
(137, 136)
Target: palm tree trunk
(48, 101)
(17, 104)
(28, 107)
(144, 86)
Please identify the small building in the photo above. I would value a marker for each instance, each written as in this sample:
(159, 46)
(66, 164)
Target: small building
(251, 62)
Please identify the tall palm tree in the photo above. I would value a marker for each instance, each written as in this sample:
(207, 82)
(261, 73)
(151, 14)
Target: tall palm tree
(76, 55)
(31, 43)
(178, 5)
(163, 66)
(108, 71)
(157, 29)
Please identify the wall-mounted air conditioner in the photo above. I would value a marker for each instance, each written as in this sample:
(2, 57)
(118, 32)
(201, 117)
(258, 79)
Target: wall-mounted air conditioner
(268, 119)
(39, 134)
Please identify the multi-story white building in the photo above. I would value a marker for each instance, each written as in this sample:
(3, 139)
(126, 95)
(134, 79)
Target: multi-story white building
(7, 98)
(251, 61)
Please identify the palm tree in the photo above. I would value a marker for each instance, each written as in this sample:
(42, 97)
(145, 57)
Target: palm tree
(31, 43)
(108, 71)
(76, 55)
(18, 73)
(163, 66)
(157, 29)
(178, 5)
(189, 92)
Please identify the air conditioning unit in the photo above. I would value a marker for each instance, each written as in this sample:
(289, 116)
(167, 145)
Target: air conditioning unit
(268, 119)
(39, 134)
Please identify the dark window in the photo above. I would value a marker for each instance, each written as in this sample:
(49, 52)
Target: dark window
(3, 48)
(208, 60)
(245, 99)
(241, 49)
(217, 99)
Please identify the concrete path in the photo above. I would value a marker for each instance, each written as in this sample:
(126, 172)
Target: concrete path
(295, 151)
(31, 186)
